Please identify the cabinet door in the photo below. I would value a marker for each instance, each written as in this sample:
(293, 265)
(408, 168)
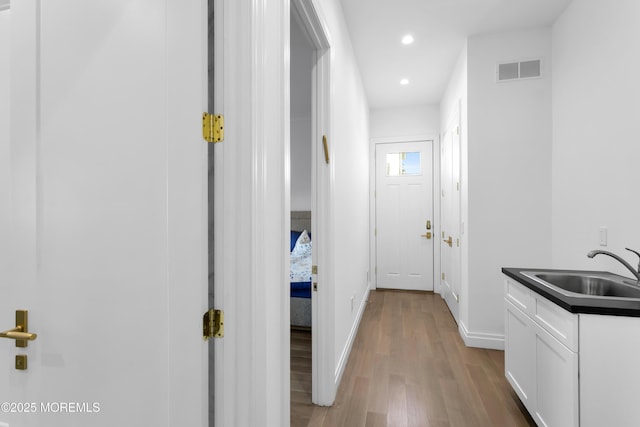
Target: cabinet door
(519, 364)
(556, 374)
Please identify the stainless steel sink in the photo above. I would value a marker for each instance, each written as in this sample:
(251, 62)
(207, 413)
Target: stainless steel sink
(590, 285)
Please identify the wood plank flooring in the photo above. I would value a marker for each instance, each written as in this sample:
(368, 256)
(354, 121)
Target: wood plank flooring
(408, 367)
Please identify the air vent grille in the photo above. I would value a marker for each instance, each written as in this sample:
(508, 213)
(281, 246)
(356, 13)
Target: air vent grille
(518, 70)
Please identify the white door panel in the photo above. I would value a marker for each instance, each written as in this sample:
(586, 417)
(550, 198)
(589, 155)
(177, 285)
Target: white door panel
(404, 204)
(107, 213)
(450, 238)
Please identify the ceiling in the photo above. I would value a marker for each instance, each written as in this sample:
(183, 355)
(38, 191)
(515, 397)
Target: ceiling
(439, 28)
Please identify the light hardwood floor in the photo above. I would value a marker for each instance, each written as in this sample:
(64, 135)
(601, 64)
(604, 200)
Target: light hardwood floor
(408, 367)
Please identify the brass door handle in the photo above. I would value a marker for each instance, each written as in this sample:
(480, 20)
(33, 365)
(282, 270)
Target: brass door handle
(448, 241)
(21, 332)
(17, 334)
(427, 235)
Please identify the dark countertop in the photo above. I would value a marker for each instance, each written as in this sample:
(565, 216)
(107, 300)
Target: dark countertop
(577, 304)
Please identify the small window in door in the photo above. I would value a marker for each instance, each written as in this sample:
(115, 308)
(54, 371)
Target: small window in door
(405, 163)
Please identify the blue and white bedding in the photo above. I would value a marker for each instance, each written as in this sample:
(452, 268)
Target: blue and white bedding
(301, 261)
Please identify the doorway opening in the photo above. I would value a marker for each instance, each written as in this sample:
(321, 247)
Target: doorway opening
(311, 186)
(301, 243)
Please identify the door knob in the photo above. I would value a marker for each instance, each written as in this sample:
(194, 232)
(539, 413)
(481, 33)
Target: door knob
(448, 241)
(427, 235)
(21, 332)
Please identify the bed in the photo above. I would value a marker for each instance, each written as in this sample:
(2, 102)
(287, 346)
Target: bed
(300, 274)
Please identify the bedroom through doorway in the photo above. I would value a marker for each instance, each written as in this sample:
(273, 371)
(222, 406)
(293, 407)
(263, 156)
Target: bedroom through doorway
(302, 193)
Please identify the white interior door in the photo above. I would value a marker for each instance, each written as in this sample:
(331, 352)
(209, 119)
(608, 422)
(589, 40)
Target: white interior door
(5, 180)
(450, 206)
(404, 215)
(105, 213)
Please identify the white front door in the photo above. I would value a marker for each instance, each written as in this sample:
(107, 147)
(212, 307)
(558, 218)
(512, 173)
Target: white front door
(450, 206)
(103, 224)
(404, 215)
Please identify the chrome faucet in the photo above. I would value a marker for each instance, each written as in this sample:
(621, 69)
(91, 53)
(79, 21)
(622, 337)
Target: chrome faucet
(635, 272)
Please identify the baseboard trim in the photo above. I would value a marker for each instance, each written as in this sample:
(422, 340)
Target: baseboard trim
(481, 340)
(344, 357)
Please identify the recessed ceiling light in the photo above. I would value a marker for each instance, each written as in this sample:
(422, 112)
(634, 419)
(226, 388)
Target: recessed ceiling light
(404, 81)
(408, 39)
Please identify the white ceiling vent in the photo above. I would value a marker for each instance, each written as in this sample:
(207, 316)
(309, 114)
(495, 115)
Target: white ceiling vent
(518, 70)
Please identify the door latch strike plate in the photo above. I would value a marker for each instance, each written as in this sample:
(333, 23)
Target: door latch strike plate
(213, 324)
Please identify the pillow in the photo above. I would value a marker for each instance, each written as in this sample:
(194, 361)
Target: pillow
(303, 245)
(294, 238)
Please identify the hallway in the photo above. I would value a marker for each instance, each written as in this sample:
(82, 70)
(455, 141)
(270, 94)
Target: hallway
(409, 367)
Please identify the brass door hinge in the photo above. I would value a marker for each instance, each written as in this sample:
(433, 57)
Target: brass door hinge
(213, 324)
(213, 127)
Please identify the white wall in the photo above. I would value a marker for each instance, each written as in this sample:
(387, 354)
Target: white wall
(301, 71)
(455, 94)
(595, 132)
(404, 121)
(509, 171)
(350, 142)
(300, 164)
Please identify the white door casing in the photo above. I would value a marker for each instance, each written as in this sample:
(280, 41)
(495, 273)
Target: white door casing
(106, 215)
(450, 238)
(252, 213)
(404, 219)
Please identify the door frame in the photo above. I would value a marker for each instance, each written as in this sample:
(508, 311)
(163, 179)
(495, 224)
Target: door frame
(251, 213)
(435, 140)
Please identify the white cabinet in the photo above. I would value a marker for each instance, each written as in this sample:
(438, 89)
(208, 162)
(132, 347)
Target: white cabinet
(541, 359)
(556, 378)
(609, 371)
(520, 354)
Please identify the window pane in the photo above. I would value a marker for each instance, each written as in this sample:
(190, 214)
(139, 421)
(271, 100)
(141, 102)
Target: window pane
(411, 163)
(405, 163)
